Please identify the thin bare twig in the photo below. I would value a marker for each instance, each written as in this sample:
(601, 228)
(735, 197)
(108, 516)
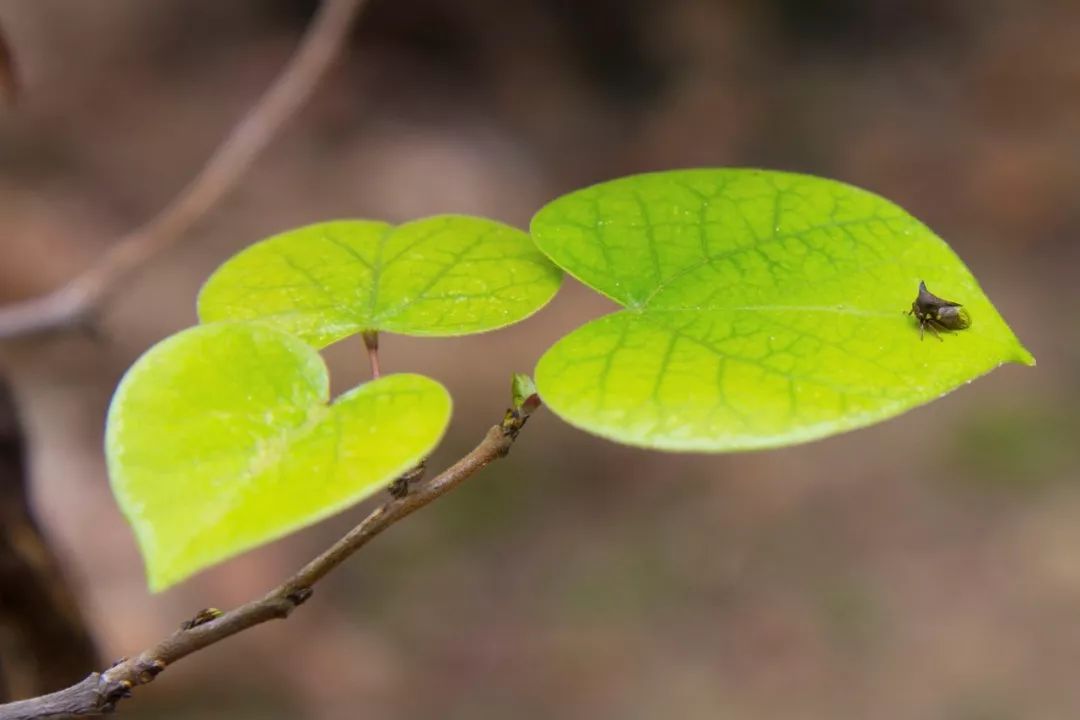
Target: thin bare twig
(99, 693)
(71, 303)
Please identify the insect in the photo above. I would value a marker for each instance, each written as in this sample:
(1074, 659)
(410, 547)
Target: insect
(935, 314)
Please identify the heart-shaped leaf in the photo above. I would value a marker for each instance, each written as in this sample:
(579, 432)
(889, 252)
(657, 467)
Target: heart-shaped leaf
(219, 439)
(444, 275)
(762, 309)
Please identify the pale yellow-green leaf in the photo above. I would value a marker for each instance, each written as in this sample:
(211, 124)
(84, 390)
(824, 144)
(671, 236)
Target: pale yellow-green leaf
(761, 309)
(220, 439)
(439, 276)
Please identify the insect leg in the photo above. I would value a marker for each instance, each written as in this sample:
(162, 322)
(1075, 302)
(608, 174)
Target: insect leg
(934, 326)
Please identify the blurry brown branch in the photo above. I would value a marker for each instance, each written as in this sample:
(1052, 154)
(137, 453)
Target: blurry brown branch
(44, 643)
(9, 74)
(99, 693)
(71, 303)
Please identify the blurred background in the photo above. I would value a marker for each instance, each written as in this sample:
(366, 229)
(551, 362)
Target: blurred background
(927, 567)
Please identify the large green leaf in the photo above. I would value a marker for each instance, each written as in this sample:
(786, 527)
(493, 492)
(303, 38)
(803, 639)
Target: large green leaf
(220, 439)
(762, 309)
(444, 275)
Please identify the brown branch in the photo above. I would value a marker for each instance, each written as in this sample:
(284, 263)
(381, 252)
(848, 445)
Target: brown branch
(10, 84)
(99, 693)
(70, 304)
(44, 642)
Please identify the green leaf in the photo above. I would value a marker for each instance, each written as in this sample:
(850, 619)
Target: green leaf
(522, 390)
(761, 309)
(219, 439)
(440, 276)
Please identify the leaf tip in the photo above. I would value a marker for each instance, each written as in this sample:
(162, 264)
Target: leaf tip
(158, 581)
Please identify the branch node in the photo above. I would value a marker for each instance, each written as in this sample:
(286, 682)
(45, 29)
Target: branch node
(151, 670)
(201, 618)
(401, 487)
(113, 691)
(299, 596)
(513, 421)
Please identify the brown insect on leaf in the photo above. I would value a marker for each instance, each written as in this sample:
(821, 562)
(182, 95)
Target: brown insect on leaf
(937, 314)
(9, 76)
